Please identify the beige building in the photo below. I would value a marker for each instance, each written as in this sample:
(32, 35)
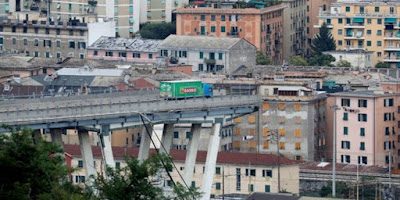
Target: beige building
(367, 25)
(294, 24)
(239, 173)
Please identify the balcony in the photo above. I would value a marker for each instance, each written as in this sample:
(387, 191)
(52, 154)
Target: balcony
(392, 48)
(392, 57)
(354, 25)
(392, 36)
(352, 35)
(355, 47)
(209, 61)
(317, 25)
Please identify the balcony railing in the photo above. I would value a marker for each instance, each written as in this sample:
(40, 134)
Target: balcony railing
(209, 61)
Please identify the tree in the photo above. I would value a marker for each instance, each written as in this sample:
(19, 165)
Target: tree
(136, 181)
(382, 65)
(157, 30)
(33, 171)
(298, 61)
(343, 63)
(323, 41)
(261, 59)
(341, 190)
(321, 60)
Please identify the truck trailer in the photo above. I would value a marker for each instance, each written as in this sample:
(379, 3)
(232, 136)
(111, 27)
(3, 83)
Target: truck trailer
(185, 89)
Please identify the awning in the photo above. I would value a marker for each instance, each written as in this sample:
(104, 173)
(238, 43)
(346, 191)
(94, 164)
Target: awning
(58, 5)
(116, 30)
(131, 30)
(398, 34)
(398, 53)
(131, 20)
(358, 20)
(390, 20)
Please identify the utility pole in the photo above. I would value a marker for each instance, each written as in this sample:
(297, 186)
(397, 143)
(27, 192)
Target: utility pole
(357, 184)
(223, 183)
(335, 108)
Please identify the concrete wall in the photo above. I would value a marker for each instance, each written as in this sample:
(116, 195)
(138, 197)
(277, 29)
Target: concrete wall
(144, 56)
(98, 29)
(361, 60)
(242, 53)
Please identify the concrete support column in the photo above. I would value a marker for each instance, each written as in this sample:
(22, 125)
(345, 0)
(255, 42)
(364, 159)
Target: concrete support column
(166, 140)
(191, 153)
(86, 153)
(105, 140)
(36, 135)
(56, 136)
(145, 142)
(211, 160)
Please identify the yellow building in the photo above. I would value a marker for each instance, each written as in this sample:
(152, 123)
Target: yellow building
(235, 173)
(368, 25)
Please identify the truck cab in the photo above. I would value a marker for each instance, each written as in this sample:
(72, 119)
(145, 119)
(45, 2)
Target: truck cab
(208, 91)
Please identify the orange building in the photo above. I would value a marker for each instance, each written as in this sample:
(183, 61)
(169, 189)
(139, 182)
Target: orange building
(261, 27)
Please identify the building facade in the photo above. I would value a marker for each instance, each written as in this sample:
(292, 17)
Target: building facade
(207, 53)
(261, 27)
(128, 14)
(357, 58)
(294, 28)
(367, 25)
(33, 37)
(367, 128)
(124, 49)
(235, 173)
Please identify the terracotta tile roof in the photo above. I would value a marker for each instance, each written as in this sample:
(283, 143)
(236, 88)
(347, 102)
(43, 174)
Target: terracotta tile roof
(179, 155)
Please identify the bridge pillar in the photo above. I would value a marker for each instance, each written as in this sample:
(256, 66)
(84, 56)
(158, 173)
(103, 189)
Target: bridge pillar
(105, 140)
(56, 136)
(86, 153)
(145, 142)
(36, 135)
(166, 140)
(191, 153)
(211, 160)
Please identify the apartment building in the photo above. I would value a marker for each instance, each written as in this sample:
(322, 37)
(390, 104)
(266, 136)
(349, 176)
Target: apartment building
(207, 53)
(314, 7)
(135, 50)
(367, 25)
(235, 173)
(261, 27)
(128, 14)
(294, 28)
(366, 127)
(33, 36)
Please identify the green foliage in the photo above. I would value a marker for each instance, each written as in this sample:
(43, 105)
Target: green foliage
(343, 63)
(157, 30)
(261, 59)
(298, 61)
(321, 60)
(342, 190)
(323, 41)
(135, 181)
(33, 171)
(382, 65)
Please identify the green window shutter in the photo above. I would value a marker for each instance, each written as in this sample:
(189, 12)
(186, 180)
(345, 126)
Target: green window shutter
(201, 55)
(345, 116)
(345, 130)
(362, 131)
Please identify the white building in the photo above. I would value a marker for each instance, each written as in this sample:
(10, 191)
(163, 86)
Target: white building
(357, 58)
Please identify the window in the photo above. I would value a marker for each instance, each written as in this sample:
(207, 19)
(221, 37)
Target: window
(176, 134)
(13, 29)
(122, 54)
(58, 43)
(340, 21)
(130, 9)
(58, 31)
(251, 187)
(267, 188)
(218, 170)
(362, 131)
(387, 131)
(297, 132)
(136, 55)
(345, 158)
(70, 6)
(80, 163)
(281, 145)
(79, 179)
(362, 117)
(202, 17)
(193, 184)
(340, 42)
(388, 102)
(282, 132)
(266, 145)
(150, 56)
(201, 68)
(297, 146)
(14, 41)
(345, 144)
(117, 165)
(369, 32)
(109, 54)
(218, 186)
(345, 130)
(212, 29)
(369, 43)
(71, 32)
(250, 172)
(187, 134)
(36, 30)
(267, 173)
(95, 53)
(47, 54)
(346, 102)
(376, 9)
(47, 31)
(379, 21)
(238, 179)
(202, 30)
(379, 32)
(223, 18)
(340, 31)
(220, 56)
(345, 116)
(362, 160)
(362, 146)
(71, 45)
(25, 29)
(36, 42)
(362, 103)
(347, 9)
(212, 17)
(379, 43)
(36, 54)
(387, 116)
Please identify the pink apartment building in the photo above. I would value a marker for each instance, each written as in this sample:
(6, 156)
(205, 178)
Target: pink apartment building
(367, 127)
(136, 50)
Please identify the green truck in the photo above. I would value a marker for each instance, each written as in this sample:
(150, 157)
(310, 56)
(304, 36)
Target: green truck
(185, 89)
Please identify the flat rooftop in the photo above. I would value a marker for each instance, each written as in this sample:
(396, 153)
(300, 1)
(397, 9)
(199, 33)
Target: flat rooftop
(127, 44)
(363, 93)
